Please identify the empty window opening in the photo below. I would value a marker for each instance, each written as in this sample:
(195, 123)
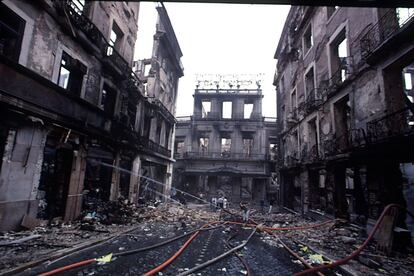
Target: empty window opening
(225, 147)
(248, 110)
(309, 81)
(108, 100)
(408, 84)
(71, 74)
(203, 145)
(205, 108)
(331, 10)
(404, 15)
(273, 151)
(77, 5)
(147, 68)
(247, 147)
(307, 39)
(227, 110)
(11, 33)
(158, 132)
(167, 136)
(340, 67)
(313, 138)
(342, 119)
(115, 39)
(179, 149)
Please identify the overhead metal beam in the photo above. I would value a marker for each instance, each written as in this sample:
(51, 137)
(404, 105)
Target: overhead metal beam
(342, 3)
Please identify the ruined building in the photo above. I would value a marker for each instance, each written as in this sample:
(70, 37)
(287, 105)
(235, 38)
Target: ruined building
(345, 110)
(160, 75)
(223, 149)
(74, 114)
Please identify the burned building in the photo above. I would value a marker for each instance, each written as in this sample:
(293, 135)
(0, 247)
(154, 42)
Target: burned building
(345, 110)
(160, 75)
(73, 112)
(223, 149)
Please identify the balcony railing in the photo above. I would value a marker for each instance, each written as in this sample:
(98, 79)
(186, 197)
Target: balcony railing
(398, 123)
(184, 119)
(354, 138)
(311, 155)
(229, 91)
(387, 26)
(225, 155)
(152, 146)
(314, 100)
(164, 111)
(92, 32)
(345, 70)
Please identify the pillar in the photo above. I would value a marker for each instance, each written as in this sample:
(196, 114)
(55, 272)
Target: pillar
(74, 201)
(20, 174)
(115, 178)
(134, 180)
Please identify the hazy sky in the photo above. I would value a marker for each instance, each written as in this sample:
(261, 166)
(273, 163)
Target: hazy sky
(219, 39)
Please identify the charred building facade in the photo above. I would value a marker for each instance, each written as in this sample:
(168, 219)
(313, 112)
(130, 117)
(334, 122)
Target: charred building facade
(223, 149)
(345, 110)
(73, 111)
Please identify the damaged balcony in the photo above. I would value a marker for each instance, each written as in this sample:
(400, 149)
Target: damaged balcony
(224, 155)
(92, 38)
(394, 125)
(390, 32)
(314, 101)
(151, 146)
(158, 105)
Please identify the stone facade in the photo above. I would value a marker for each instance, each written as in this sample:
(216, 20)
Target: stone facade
(73, 110)
(224, 148)
(345, 110)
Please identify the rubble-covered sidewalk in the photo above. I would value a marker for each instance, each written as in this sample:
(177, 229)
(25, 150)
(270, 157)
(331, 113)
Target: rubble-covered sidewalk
(105, 222)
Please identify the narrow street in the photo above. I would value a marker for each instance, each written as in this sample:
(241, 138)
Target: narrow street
(139, 248)
(182, 138)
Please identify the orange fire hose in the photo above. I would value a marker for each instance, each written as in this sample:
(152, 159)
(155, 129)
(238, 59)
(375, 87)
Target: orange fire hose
(356, 252)
(175, 256)
(68, 267)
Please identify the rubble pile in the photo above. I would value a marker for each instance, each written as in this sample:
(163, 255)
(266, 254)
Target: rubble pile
(339, 240)
(99, 220)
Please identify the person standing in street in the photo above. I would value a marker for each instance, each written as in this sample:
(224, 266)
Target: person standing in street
(245, 212)
(271, 202)
(225, 202)
(220, 202)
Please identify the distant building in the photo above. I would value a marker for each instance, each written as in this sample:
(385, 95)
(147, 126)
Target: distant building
(72, 117)
(224, 148)
(345, 110)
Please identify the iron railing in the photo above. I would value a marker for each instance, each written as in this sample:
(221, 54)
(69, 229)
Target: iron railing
(225, 155)
(331, 86)
(310, 155)
(313, 101)
(163, 110)
(92, 32)
(292, 160)
(229, 91)
(391, 125)
(152, 146)
(387, 26)
(184, 119)
(344, 143)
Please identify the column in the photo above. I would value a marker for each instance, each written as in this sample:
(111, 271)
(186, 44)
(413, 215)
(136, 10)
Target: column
(74, 200)
(134, 180)
(115, 178)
